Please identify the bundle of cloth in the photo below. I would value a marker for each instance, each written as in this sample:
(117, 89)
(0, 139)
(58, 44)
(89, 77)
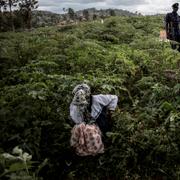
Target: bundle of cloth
(86, 139)
(90, 115)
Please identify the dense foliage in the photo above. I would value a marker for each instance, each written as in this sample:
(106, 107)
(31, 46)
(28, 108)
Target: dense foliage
(123, 56)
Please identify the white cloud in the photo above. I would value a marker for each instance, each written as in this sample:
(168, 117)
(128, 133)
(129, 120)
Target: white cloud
(156, 6)
(126, 2)
(143, 6)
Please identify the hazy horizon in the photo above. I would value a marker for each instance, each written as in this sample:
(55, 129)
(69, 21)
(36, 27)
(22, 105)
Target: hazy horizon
(145, 7)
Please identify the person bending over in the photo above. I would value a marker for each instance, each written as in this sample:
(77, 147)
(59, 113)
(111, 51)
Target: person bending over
(92, 117)
(89, 108)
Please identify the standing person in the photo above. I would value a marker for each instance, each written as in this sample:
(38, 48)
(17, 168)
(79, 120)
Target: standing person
(91, 114)
(172, 27)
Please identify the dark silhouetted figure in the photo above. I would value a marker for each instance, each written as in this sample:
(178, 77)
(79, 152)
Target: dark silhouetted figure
(172, 27)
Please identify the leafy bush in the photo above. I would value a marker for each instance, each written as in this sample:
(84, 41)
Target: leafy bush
(123, 56)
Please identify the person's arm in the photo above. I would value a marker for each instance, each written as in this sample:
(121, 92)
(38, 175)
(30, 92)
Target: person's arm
(167, 26)
(75, 115)
(110, 101)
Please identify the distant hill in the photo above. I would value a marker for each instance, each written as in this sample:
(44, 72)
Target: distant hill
(106, 12)
(47, 18)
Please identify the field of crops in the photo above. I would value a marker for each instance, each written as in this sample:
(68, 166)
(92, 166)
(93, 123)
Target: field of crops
(123, 56)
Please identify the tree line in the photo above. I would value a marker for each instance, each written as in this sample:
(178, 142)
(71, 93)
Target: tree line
(86, 14)
(16, 14)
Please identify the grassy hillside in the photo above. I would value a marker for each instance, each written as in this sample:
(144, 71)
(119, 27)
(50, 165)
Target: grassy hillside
(123, 56)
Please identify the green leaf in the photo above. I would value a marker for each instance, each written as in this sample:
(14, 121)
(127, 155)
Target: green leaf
(17, 167)
(166, 106)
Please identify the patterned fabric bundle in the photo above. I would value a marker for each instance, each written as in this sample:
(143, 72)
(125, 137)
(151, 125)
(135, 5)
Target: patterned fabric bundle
(86, 139)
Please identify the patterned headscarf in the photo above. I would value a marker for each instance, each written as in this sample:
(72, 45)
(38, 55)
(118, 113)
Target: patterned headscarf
(81, 92)
(82, 102)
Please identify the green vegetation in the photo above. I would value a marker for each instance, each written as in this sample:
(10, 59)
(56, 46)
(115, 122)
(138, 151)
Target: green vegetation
(123, 56)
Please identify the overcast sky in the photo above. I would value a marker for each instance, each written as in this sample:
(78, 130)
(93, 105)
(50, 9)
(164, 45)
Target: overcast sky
(142, 6)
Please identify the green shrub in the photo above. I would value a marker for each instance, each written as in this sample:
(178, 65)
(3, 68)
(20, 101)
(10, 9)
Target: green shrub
(123, 56)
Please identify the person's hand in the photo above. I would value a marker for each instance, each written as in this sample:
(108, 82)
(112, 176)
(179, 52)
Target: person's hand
(110, 112)
(168, 35)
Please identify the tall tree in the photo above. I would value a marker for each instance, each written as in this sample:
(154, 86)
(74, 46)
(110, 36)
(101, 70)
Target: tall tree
(11, 4)
(2, 4)
(71, 13)
(112, 12)
(94, 16)
(86, 14)
(27, 6)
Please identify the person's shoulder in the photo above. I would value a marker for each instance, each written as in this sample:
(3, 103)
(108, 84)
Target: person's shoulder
(103, 97)
(96, 97)
(169, 14)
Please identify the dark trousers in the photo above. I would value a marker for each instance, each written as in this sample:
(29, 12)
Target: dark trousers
(103, 121)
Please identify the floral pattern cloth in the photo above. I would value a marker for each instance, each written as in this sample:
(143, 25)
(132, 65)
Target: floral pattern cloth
(86, 139)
